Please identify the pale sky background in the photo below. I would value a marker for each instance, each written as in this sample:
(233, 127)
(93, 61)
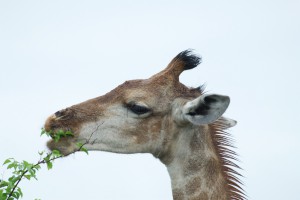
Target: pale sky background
(54, 54)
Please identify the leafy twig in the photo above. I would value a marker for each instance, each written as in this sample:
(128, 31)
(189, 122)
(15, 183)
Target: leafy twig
(9, 190)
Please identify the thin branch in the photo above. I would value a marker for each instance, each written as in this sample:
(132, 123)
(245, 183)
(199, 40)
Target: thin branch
(33, 166)
(44, 161)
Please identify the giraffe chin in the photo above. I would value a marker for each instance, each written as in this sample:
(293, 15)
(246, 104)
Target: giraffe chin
(65, 146)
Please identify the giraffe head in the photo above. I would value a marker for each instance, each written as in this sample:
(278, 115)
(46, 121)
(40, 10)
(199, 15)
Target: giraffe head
(139, 116)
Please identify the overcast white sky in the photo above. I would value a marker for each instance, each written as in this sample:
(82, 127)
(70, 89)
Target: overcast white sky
(54, 54)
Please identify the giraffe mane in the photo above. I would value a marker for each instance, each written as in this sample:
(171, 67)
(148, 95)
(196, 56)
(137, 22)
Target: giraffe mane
(223, 143)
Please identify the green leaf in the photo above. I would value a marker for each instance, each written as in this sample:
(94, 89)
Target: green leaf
(79, 145)
(20, 191)
(13, 179)
(32, 173)
(18, 172)
(47, 158)
(9, 187)
(44, 132)
(27, 165)
(38, 167)
(56, 153)
(69, 133)
(15, 195)
(56, 138)
(28, 177)
(49, 165)
(3, 184)
(12, 165)
(84, 150)
(3, 196)
(7, 161)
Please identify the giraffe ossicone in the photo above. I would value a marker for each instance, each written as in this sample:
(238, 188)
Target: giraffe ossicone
(181, 126)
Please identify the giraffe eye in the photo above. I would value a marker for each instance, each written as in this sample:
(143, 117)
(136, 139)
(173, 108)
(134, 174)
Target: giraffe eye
(138, 109)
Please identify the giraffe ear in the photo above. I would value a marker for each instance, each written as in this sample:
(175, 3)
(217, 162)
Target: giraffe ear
(205, 109)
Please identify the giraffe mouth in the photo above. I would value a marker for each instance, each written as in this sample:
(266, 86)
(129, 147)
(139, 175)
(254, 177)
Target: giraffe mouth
(59, 133)
(62, 139)
(65, 145)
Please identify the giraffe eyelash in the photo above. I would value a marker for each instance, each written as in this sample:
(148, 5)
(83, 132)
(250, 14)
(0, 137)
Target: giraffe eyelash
(137, 109)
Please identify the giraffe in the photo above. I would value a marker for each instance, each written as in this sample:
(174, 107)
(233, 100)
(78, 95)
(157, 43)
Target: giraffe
(181, 126)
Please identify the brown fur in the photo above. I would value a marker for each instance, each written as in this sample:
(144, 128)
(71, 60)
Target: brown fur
(201, 196)
(178, 194)
(193, 186)
(193, 166)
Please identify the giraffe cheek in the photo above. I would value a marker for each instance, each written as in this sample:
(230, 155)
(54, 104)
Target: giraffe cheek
(155, 130)
(142, 139)
(156, 127)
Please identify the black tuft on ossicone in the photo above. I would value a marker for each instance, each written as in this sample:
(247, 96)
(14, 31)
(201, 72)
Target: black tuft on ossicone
(190, 60)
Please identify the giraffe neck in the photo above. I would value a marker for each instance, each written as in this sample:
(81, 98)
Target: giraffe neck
(194, 167)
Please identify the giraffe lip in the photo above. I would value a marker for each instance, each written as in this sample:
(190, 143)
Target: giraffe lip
(59, 133)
